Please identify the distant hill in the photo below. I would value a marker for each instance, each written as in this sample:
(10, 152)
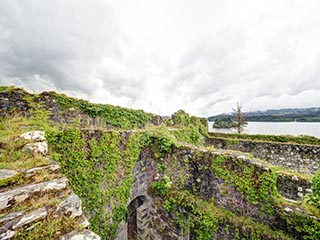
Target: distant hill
(278, 115)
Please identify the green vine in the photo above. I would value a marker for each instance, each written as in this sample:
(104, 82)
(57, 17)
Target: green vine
(99, 172)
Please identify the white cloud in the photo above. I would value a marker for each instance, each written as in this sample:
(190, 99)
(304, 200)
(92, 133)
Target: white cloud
(202, 56)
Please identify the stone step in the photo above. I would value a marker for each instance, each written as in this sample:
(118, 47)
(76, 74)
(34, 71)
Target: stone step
(9, 198)
(33, 171)
(23, 177)
(8, 176)
(11, 222)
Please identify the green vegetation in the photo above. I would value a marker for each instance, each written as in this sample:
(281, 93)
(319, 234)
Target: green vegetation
(113, 116)
(99, 169)
(270, 138)
(160, 140)
(255, 185)
(52, 227)
(259, 196)
(99, 165)
(188, 129)
(203, 218)
(315, 196)
(104, 114)
(223, 122)
(11, 154)
(13, 157)
(8, 88)
(235, 121)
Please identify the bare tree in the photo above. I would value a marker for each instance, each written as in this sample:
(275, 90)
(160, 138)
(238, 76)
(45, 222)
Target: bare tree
(239, 118)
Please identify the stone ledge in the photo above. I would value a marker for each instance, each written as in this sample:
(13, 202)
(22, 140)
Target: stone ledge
(8, 198)
(83, 235)
(8, 176)
(17, 220)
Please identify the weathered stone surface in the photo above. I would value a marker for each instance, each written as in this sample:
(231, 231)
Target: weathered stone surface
(11, 216)
(50, 167)
(37, 147)
(7, 235)
(20, 194)
(299, 157)
(34, 135)
(31, 217)
(17, 220)
(7, 173)
(83, 235)
(7, 176)
(71, 206)
(292, 187)
(33, 171)
(83, 221)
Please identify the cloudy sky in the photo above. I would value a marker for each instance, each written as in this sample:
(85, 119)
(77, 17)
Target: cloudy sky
(202, 56)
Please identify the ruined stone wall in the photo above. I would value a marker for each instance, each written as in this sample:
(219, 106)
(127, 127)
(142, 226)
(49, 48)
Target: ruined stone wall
(191, 169)
(144, 213)
(236, 183)
(299, 157)
(19, 102)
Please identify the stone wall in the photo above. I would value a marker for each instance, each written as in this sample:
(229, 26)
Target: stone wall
(18, 102)
(27, 200)
(298, 157)
(187, 169)
(190, 169)
(140, 216)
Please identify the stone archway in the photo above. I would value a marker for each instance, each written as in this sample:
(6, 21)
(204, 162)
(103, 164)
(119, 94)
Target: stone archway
(132, 218)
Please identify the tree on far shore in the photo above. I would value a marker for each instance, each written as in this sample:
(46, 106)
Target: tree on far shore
(239, 119)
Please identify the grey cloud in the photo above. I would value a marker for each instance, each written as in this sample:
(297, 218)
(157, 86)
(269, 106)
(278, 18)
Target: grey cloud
(211, 65)
(61, 41)
(265, 58)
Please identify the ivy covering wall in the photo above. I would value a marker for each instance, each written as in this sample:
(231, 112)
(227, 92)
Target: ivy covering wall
(99, 167)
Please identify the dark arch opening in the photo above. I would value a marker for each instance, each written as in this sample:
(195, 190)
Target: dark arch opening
(132, 217)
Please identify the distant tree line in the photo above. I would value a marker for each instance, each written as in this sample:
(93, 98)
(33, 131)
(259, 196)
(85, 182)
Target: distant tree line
(280, 115)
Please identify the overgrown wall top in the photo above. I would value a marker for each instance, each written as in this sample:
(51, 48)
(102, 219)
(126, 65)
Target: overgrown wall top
(299, 157)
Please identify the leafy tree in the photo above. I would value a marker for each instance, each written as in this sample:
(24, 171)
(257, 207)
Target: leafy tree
(181, 118)
(223, 122)
(239, 118)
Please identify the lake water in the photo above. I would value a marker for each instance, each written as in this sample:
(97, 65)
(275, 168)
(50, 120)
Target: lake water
(283, 128)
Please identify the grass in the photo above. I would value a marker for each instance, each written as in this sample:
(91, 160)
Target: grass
(51, 227)
(12, 156)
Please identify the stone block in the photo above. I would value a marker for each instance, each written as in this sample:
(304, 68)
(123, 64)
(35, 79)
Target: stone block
(83, 235)
(34, 135)
(37, 148)
(31, 217)
(70, 206)
(20, 194)
(8, 176)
